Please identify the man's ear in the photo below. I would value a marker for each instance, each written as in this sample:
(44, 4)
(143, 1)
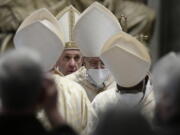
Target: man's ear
(83, 61)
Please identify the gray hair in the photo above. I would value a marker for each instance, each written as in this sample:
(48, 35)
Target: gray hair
(166, 76)
(21, 77)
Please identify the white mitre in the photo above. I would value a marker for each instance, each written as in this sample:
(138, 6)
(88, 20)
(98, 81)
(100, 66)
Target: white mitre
(41, 32)
(127, 59)
(94, 27)
(67, 19)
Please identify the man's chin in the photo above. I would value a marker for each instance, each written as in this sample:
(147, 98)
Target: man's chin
(70, 72)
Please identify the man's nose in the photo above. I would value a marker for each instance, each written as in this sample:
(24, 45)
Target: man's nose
(72, 62)
(99, 66)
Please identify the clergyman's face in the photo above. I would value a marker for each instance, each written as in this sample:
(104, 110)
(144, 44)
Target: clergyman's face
(70, 61)
(93, 63)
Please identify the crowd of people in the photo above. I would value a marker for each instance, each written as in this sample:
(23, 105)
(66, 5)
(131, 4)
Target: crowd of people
(87, 73)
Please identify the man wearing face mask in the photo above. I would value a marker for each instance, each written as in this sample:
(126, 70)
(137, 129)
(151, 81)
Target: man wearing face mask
(97, 73)
(94, 76)
(129, 62)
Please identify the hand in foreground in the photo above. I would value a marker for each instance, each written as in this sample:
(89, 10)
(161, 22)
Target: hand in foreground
(51, 102)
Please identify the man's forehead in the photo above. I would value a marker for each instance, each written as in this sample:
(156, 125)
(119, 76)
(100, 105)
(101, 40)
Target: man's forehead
(72, 52)
(93, 59)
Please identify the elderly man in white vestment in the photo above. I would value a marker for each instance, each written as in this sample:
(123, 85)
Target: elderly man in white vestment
(129, 62)
(41, 32)
(71, 58)
(95, 25)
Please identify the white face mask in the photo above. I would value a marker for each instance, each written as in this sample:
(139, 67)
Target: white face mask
(98, 76)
